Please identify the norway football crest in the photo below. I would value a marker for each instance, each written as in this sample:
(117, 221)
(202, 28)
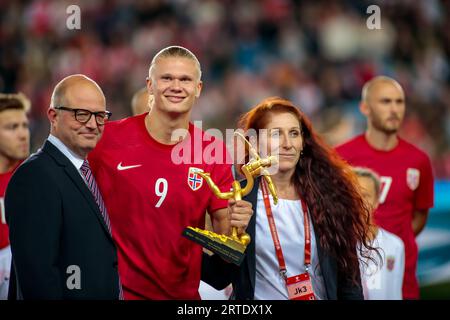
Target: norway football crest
(194, 180)
(390, 262)
(412, 178)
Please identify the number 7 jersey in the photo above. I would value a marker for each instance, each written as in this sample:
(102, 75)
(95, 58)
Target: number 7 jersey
(152, 193)
(406, 186)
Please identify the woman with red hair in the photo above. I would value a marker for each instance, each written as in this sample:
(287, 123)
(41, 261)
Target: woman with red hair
(305, 246)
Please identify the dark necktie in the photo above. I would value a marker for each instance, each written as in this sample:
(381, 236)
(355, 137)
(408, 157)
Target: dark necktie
(93, 187)
(90, 180)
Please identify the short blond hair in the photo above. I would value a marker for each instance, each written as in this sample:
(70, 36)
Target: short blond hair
(175, 51)
(17, 101)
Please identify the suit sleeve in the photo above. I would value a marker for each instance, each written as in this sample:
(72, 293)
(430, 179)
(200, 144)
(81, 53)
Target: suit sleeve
(33, 210)
(216, 272)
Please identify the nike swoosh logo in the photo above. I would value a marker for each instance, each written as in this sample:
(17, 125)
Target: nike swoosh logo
(120, 167)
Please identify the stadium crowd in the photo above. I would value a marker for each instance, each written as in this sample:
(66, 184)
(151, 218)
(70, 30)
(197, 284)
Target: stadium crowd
(316, 53)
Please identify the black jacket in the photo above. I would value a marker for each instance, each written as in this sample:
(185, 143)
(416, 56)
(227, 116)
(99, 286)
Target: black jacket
(55, 223)
(219, 274)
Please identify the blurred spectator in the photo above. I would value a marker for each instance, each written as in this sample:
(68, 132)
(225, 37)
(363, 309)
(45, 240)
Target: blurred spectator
(141, 102)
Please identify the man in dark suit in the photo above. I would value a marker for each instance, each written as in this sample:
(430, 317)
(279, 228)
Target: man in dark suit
(60, 233)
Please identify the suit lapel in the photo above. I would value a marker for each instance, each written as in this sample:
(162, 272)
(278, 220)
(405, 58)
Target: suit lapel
(77, 180)
(73, 174)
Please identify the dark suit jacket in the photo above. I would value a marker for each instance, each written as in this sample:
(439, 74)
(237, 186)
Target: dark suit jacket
(55, 223)
(219, 274)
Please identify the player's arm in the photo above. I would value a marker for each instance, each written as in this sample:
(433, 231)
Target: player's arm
(423, 199)
(215, 271)
(237, 214)
(419, 220)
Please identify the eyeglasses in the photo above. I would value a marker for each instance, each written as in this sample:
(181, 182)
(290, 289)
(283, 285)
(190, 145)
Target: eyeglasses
(83, 115)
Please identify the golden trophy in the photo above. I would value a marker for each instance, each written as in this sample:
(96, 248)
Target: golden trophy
(232, 248)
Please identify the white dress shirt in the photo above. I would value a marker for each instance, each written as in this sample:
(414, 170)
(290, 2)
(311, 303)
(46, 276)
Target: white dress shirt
(76, 160)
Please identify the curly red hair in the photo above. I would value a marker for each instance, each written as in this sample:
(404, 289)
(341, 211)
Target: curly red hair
(328, 186)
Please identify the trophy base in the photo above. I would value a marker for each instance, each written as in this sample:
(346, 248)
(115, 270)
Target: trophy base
(227, 248)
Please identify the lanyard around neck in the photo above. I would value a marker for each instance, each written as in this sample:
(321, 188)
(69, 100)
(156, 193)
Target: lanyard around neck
(273, 231)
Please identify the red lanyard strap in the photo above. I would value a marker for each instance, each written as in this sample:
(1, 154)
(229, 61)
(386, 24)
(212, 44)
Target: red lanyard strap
(307, 234)
(273, 231)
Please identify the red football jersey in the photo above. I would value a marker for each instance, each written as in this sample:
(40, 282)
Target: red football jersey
(4, 233)
(406, 186)
(151, 199)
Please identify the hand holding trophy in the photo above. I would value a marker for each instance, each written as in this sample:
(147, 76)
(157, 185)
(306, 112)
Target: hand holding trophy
(232, 248)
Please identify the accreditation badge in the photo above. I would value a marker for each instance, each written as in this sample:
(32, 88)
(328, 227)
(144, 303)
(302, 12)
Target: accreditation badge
(300, 287)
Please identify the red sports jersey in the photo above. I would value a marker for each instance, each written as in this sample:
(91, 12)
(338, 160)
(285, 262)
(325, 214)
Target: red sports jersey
(4, 234)
(406, 186)
(150, 200)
